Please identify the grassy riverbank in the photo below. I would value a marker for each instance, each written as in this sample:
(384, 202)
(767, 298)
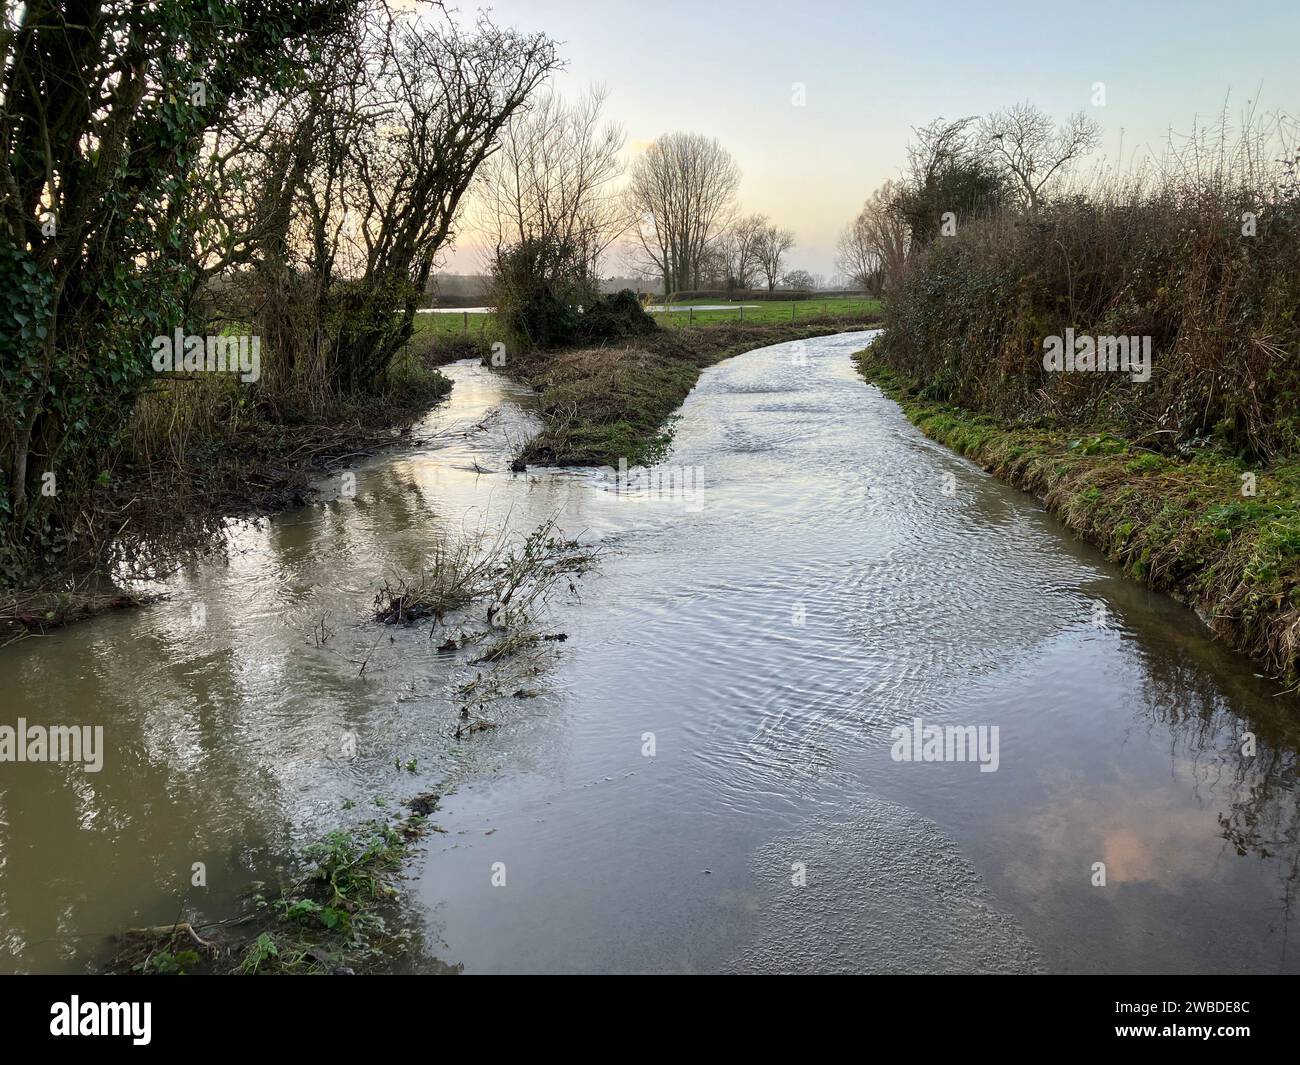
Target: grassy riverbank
(605, 404)
(1180, 524)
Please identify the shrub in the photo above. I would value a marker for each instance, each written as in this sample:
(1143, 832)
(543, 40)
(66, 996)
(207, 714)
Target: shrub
(1167, 260)
(538, 286)
(546, 296)
(613, 317)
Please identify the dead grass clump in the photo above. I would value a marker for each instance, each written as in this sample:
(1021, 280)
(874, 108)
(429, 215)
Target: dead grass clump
(508, 580)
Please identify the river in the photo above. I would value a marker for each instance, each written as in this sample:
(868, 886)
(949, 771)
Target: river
(707, 781)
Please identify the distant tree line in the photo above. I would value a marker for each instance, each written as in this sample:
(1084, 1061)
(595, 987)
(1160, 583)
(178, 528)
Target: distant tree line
(554, 202)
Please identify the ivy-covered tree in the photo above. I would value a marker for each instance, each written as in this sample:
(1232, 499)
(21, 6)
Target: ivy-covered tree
(104, 108)
(948, 173)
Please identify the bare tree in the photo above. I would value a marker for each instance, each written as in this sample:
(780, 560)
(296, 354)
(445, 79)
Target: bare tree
(738, 250)
(949, 171)
(402, 117)
(800, 279)
(874, 246)
(858, 258)
(773, 243)
(681, 192)
(553, 181)
(1033, 149)
(938, 147)
(715, 272)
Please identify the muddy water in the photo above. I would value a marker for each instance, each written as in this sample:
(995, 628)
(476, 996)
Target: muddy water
(717, 725)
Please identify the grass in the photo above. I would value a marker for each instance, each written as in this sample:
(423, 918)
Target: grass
(482, 326)
(1179, 524)
(765, 312)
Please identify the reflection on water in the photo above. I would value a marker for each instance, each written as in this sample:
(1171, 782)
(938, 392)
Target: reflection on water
(828, 590)
(223, 732)
(718, 720)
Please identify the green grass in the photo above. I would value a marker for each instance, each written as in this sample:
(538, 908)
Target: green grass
(478, 327)
(1179, 523)
(768, 311)
(331, 916)
(483, 325)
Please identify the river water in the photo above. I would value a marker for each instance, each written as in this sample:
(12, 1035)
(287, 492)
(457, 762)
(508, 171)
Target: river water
(707, 780)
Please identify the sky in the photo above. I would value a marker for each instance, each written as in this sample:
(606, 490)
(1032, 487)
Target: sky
(871, 71)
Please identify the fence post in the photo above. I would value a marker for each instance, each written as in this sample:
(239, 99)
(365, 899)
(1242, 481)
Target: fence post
(742, 312)
(690, 316)
(467, 323)
(792, 307)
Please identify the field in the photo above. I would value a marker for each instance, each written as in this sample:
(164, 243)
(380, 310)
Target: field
(762, 312)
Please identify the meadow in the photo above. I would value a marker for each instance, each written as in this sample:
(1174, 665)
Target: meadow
(482, 325)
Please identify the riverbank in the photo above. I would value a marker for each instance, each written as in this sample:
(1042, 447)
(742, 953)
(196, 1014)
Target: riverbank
(601, 405)
(353, 716)
(1208, 529)
(152, 512)
(337, 913)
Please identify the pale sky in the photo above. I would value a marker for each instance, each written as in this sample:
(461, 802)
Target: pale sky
(871, 71)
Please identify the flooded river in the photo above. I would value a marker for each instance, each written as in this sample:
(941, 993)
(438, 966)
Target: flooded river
(709, 778)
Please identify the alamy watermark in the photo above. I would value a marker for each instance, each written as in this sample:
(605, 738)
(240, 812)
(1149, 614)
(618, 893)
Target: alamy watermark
(675, 484)
(75, 1017)
(1088, 354)
(212, 354)
(53, 743)
(946, 743)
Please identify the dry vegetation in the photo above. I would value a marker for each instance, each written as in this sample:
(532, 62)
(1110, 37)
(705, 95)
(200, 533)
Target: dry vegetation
(487, 596)
(1201, 255)
(509, 580)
